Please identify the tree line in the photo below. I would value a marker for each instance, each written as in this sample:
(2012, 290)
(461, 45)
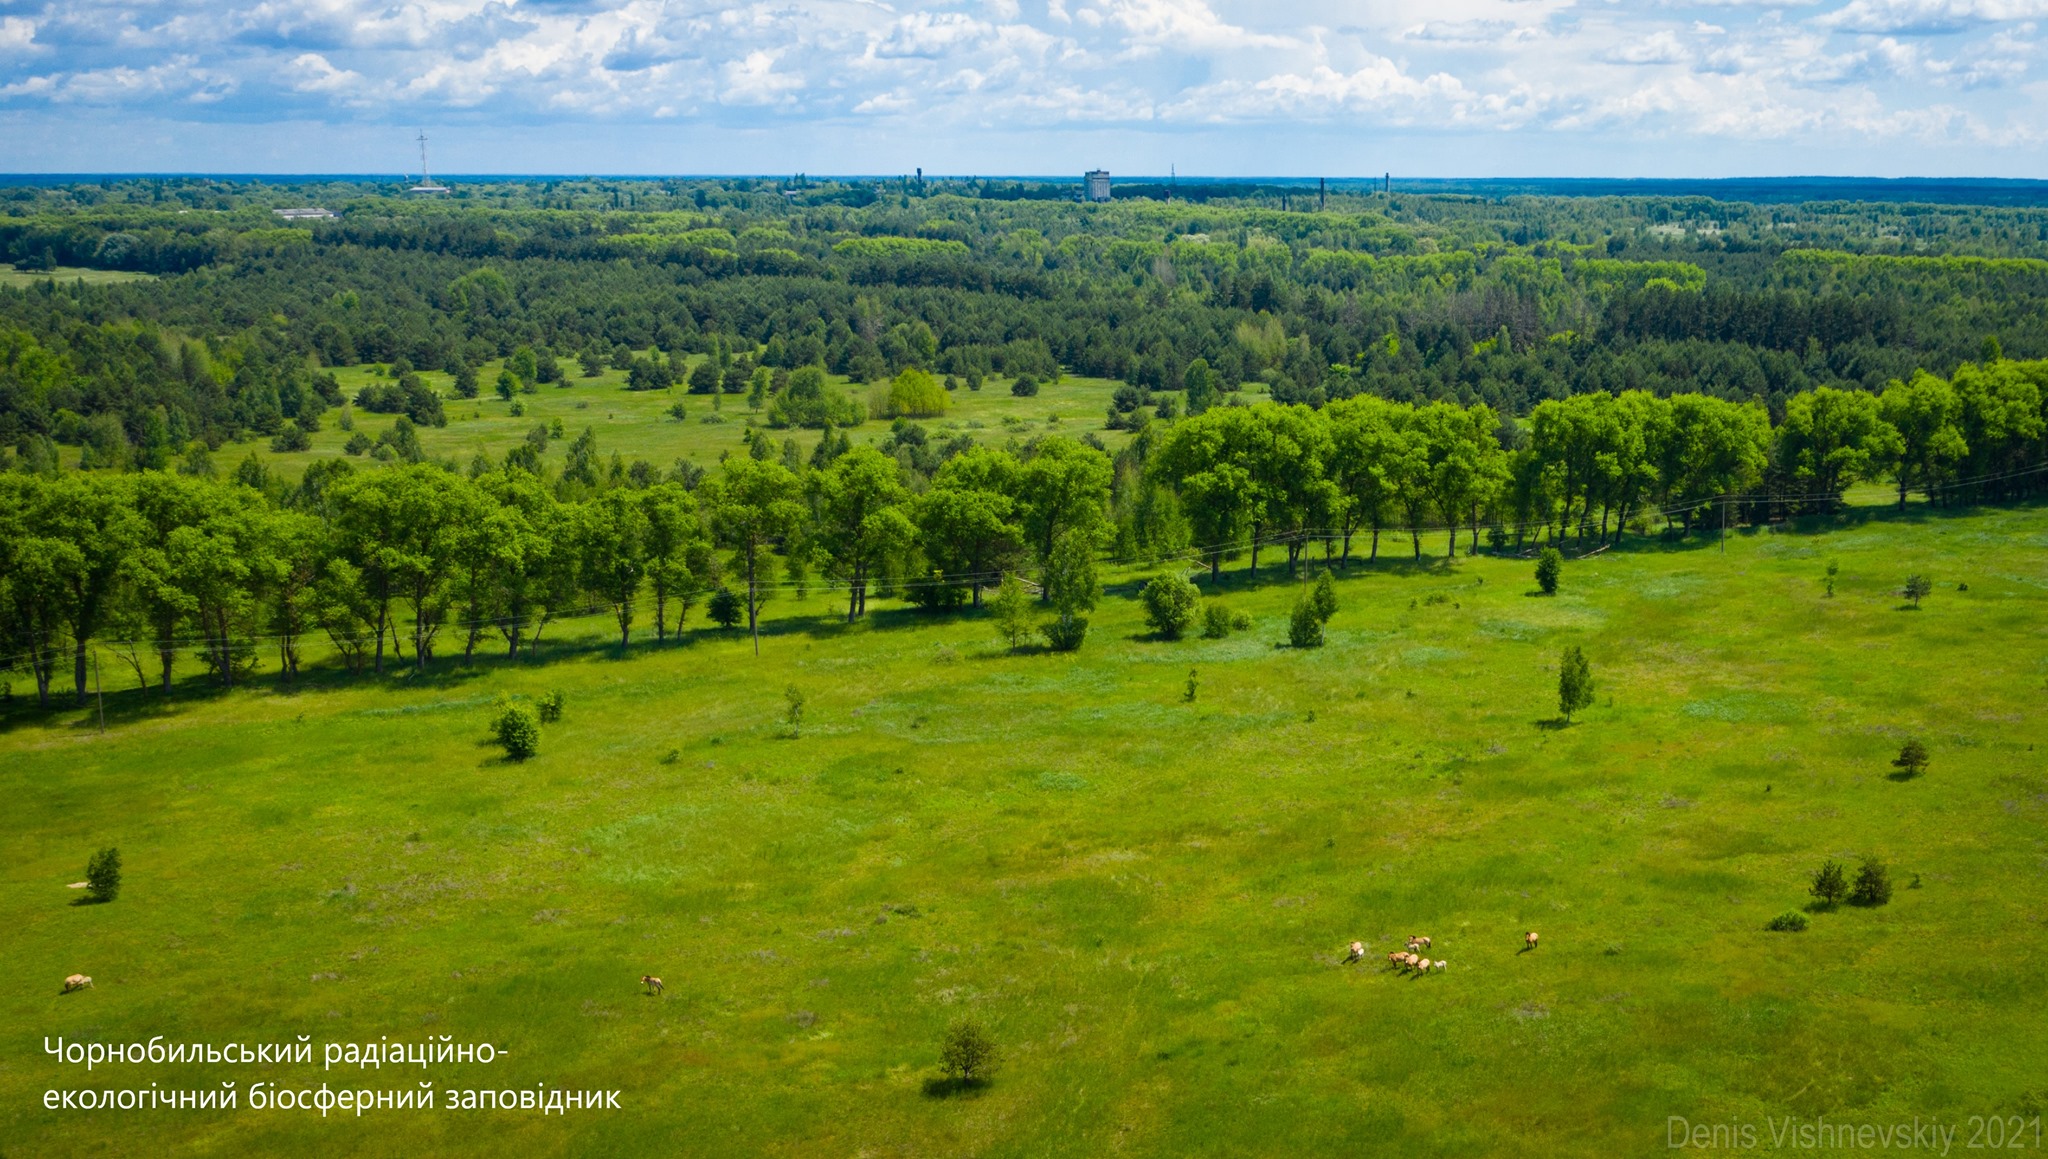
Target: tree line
(410, 562)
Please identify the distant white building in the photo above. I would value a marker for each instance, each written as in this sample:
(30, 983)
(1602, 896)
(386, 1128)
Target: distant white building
(1098, 184)
(307, 213)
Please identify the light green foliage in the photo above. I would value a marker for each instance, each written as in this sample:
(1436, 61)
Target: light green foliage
(550, 706)
(1918, 587)
(1216, 621)
(1171, 605)
(793, 701)
(1012, 612)
(1322, 598)
(914, 393)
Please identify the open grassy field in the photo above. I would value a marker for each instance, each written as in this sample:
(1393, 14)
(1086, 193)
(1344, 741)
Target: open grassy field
(1145, 899)
(637, 424)
(9, 276)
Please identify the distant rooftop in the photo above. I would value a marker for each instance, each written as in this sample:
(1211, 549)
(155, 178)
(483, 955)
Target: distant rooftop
(310, 211)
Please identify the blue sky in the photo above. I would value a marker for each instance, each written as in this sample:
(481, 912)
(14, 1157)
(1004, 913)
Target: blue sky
(1224, 87)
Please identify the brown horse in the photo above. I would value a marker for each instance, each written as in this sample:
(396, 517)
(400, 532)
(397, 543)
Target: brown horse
(652, 983)
(76, 982)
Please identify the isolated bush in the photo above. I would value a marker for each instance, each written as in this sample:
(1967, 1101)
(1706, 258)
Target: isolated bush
(551, 707)
(725, 608)
(1873, 883)
(103, 875)
(1789, 922)
(1549, 563)
(793, 699)
(1024, 387)
(1574, 683)
(518, 730)
(968, 1054)
(1065, 633)
(1240, 621)
(1012, 608)
(1829, 885)
(1171, 605)
(1912, 759)
(1917, 588)
(1216, 621)
(1304, 627)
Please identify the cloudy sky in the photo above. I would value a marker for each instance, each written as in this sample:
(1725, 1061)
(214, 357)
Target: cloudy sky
(1233, 87)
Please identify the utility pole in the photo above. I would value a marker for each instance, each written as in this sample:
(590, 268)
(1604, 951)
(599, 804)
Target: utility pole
(1724, 525)
(97, 694)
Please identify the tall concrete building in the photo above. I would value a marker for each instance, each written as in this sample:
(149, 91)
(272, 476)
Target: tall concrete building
(1098, 184)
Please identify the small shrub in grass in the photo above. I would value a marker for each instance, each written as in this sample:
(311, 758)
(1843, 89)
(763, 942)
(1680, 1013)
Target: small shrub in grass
(794, 698)
(1240, 621)
(1216, 621)
(103, 875)
(1911, 761)
(1066, 633)
(1549, 564)
(1830, 885)
(551, 707)
(1789, 922)
(1873, 884)
(1323, 597)
(517, 729)
(1304, 627)
(1171, 604)
(968, 1055)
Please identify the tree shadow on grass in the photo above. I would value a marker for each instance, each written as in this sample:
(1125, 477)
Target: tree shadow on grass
(89, 899)
(950, 1088)
(1553, 724)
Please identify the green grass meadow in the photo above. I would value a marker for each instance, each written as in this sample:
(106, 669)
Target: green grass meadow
(637, 424)
(1146, 900)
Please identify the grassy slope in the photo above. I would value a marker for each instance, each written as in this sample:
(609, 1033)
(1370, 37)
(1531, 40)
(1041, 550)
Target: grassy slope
(1146, 900)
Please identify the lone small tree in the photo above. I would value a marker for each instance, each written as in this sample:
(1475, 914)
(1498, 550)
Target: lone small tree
(968, 1055)
(1012, 608)
(1873, 883)
(1829, 884)
(725, 609)
(103, 875)
(1917, 588)
(1574, 683)
(1834, 569)
(517, 730)
(1304, 627)
(1171, 605)
(1912, 759)
(1187, 694)
(551, 706)
(793, 697)
(1549, 563)
(1323, 597)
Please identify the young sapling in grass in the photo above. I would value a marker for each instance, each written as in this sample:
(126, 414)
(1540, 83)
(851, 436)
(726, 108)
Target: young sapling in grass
(1911, 761)
(1829, 885)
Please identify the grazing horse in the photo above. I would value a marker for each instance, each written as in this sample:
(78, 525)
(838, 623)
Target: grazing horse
(1357, 952)
(1440, 964)
(76, 982)
(652, 983)
(1529, 940)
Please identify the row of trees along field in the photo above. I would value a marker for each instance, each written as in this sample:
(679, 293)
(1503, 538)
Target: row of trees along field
(405, 561)
(1468, 300)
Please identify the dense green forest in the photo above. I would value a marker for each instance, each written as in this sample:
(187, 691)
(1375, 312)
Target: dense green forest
(1502, 371)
